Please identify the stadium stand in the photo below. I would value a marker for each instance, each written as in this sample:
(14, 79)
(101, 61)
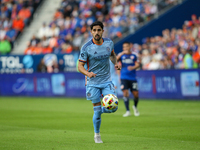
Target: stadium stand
(170, 50)
(14, 16)
(69, 28)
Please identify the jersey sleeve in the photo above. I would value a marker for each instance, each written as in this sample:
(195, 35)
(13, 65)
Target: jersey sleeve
(83, 55)
(135, 58)
(112, 46)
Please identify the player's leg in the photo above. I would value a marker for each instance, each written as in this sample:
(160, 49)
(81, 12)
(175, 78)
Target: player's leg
(134, 90)
(124, 88)
(108, 88)
(93, 94)
(136, 98)
(97, 122)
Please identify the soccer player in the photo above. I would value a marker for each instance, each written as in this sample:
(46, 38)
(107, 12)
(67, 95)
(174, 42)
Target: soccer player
(128, 77)
(96, 54)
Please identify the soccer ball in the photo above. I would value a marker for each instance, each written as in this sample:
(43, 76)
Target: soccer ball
(110, 101)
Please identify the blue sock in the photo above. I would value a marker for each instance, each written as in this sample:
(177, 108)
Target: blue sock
(126, 102)
(136, 101)
(97, 118)
(104, 110)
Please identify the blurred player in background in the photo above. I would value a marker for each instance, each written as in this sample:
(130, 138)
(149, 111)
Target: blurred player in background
(96, 53)
(115, 76)
(128, 77)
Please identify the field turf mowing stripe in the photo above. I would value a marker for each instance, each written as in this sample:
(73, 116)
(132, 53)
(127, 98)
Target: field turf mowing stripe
(66, 124)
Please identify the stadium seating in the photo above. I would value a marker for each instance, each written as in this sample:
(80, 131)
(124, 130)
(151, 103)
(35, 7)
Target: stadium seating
(168, 51)
(14, 16)
(68, 31)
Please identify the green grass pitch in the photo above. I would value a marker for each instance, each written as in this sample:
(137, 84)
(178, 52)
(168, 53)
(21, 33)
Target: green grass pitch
(66, 124)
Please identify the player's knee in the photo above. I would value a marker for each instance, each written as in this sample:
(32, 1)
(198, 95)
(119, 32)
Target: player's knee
(135, 94)
(125, 93)
(96, 103)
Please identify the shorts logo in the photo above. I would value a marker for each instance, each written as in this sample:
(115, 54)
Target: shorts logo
(82, 55)
(108, 49)
(122, 86)
(88, 94)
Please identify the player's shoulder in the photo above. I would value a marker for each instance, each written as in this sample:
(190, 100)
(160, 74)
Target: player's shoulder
(87, 44)
(107, 40)
(134, 54)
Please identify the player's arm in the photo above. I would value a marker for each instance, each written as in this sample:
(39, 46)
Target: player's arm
(85, 80)
(120, 55)
(84, 71)
(137, 65)
(113, 59)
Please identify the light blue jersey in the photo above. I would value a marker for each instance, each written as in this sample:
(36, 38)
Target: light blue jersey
(97, 59)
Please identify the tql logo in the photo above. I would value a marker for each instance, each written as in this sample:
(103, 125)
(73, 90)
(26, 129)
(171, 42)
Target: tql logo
(10, 62)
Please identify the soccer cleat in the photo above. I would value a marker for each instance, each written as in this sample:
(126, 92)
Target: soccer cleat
(136, 112)
(127, 114)
(97, 139)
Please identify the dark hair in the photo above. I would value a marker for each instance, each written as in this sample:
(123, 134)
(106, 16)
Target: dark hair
(190, 51)
(127, 43)
(96, 23)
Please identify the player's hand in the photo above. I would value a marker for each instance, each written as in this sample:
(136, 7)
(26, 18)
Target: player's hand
(91, 74)
(117, 66)
(130, 68)
(122, 53)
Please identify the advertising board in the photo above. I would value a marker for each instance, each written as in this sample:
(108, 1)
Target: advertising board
(157, 84)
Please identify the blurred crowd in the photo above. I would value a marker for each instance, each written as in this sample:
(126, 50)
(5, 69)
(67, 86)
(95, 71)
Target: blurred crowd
(69, 28)
(175, 49)
(14, 16)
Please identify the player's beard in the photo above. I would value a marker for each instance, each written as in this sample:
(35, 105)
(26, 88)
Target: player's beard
(97, 39)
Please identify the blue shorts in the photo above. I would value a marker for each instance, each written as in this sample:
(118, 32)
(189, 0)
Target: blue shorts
(93, 92)
(129, 84)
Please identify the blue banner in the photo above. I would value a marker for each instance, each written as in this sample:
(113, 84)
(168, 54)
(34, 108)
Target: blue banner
(159, 84)
(43, 84)
(169, 84)
(10, 64)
